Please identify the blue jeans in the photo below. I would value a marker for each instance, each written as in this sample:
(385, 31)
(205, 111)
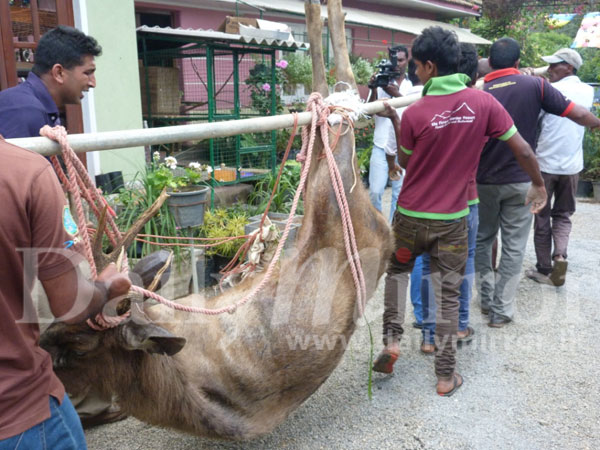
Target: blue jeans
(62, 431)
(378, 178)
(415, 288)
(466, 288)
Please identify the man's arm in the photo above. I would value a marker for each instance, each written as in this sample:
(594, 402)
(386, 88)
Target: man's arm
(392, 114)
(582, 116)
(73, 299)
(526, 158)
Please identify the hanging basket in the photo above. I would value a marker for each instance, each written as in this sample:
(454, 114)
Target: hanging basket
(188, 205)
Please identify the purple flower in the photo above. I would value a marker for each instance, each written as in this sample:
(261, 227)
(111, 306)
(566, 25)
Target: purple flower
(266, 87)
(282, 64)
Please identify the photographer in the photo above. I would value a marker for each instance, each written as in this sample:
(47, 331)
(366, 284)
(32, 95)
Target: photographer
(390, 81)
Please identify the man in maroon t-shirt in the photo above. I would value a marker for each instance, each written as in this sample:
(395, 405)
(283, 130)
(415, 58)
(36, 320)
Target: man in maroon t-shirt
(441, 137)
(503, 185)
(36, 227)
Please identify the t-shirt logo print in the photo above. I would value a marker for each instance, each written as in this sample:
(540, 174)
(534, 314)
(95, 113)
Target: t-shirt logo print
(463, 114)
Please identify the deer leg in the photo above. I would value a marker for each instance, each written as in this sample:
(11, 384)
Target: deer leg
(314, 27)
(335, 22)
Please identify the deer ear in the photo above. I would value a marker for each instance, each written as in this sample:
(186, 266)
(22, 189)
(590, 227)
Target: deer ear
(151, 338)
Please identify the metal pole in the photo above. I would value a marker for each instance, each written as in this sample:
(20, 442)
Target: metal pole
(195, 132)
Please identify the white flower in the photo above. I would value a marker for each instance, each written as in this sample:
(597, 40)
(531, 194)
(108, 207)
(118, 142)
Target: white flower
(156, 156)
(209, 169)
(195, 166)
(171, 162)
(239, 169)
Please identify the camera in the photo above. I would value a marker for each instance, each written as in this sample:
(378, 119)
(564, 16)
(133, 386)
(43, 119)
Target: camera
(388, 70)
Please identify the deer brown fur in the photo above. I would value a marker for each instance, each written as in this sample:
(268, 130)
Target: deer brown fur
(239, 375)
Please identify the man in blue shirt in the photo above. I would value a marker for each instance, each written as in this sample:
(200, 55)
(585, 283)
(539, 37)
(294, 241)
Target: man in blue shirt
(63, 70)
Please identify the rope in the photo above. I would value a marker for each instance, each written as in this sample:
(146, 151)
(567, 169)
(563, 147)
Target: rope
(318, 122)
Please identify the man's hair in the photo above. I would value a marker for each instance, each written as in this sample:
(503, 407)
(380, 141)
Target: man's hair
(400, 48)
(65, 46)
(411, 72)
(468, 61)
(438, 46)
(504, 53)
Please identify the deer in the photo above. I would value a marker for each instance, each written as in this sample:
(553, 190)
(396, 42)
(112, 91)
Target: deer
(237, 376)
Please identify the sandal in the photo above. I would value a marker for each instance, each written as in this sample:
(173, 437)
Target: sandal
(467, 338)
(456, 385)
(534, 275)
(385, 362)
(559, 273)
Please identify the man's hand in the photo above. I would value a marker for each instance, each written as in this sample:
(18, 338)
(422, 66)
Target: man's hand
(388, 112)
(392, 90)
(538, 197)
(395, 172)
(371, 84)
(527, 71)
(117, 283)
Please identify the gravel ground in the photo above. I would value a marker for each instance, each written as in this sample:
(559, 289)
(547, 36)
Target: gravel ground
(527, 386)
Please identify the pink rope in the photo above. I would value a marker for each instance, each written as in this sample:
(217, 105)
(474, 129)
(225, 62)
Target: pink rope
(319, 120)
(59, 134)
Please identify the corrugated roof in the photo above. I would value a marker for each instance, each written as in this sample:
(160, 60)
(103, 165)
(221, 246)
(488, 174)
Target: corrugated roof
(211, 35)
(410, 25)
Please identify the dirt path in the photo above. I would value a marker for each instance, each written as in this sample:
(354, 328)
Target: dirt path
(530, 385)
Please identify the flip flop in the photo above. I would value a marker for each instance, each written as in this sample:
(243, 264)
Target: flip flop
(534, 275)
(455, 386)
(385, 362)
(559, 272)
(468, 338)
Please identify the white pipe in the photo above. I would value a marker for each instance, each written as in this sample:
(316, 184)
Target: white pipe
(197, 132)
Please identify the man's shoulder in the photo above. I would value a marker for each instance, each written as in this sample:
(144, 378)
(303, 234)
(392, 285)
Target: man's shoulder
(19, 97)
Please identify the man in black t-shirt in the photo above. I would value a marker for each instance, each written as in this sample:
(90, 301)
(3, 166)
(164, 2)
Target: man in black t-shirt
(502, 185)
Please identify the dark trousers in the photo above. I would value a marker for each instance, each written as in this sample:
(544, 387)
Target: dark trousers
(447, 245)
(553, 223)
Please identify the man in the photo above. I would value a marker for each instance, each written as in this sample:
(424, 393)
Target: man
(35, 413)
(63, 70)
(560, 156)
(468, 65)
(441, 137)
(384, 142)
(502, 185)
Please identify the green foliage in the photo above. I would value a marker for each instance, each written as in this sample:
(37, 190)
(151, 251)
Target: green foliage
(262, 89)
(135, 201)
(541, 44)
(299, 69)
(284, 196)
(224, 223)
(590, 71)
(362, 69)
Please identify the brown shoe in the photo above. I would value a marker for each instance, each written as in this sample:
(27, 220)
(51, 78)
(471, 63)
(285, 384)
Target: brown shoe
(109, 416)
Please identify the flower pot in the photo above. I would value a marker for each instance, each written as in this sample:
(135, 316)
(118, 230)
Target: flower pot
(584, 188)
(188, 205)
(596, 185)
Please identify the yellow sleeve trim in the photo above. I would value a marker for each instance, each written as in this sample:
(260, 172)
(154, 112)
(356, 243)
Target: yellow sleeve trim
(510, 133)
(407, 151)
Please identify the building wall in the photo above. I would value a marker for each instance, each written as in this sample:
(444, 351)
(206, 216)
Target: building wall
(116, 97)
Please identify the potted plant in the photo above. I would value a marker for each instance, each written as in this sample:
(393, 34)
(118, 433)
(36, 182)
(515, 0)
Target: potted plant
(187, 188)
(222, 223)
